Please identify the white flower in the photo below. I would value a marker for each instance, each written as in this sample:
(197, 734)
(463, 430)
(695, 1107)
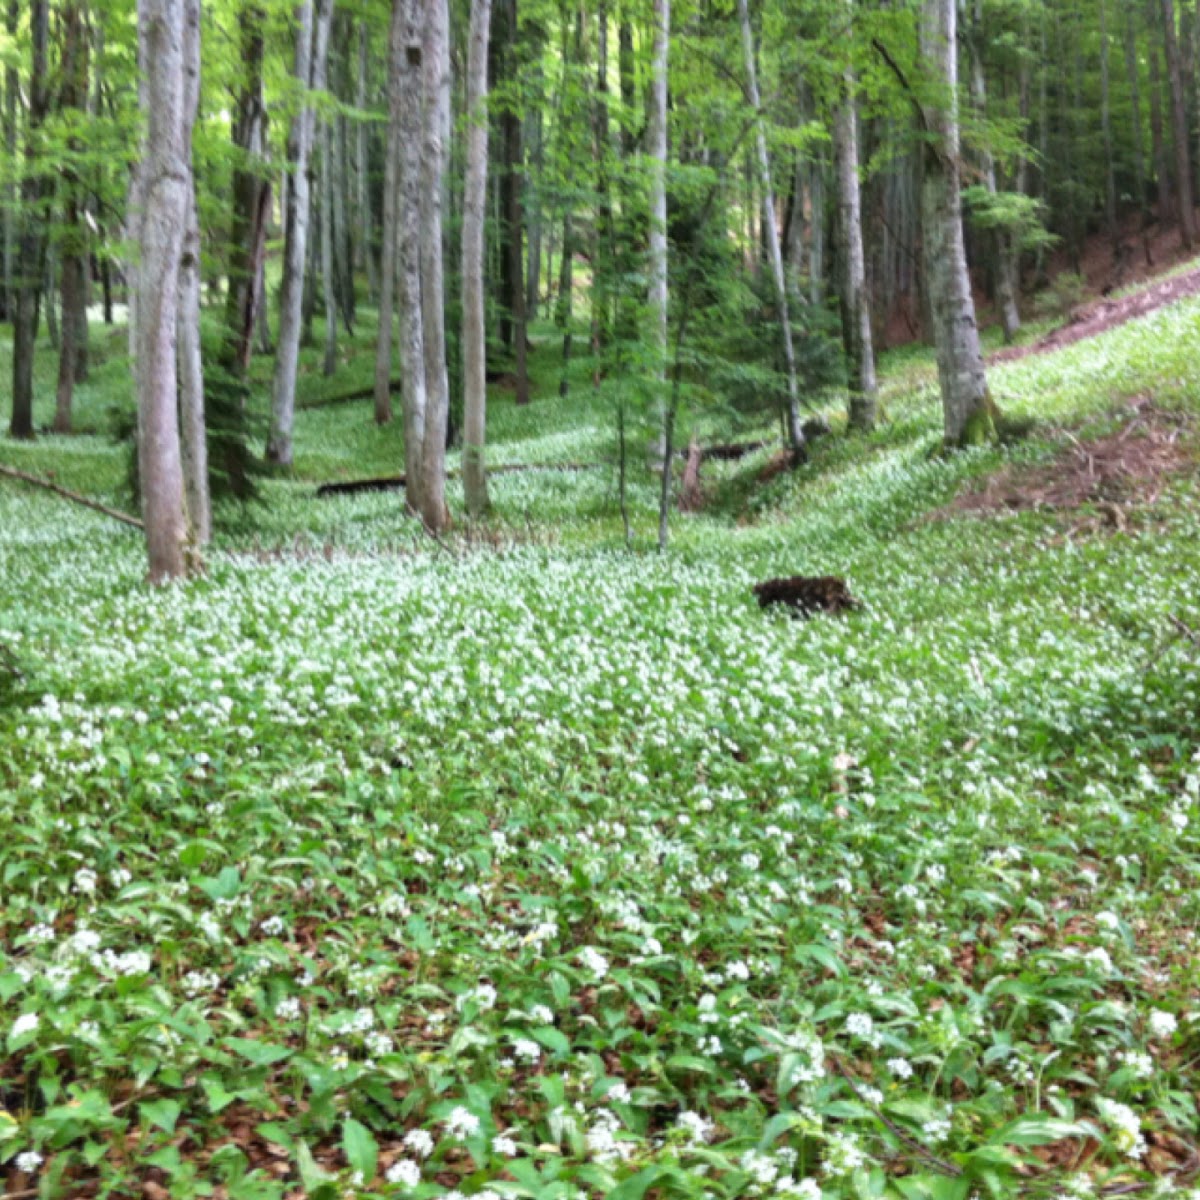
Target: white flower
(405, 1172)
(696, 1127)
(25, 1023)
(29, 1161)
(1163, 1024)
(1108, 920)
(1125, 1125)
(274, 926)
(420, 1142)
(594, 961)
(462, 1123)
(541, 1014)
(85, 880)
(501, 1144)
(900, 1067)
(288, 1009)
(526, 1049)
(860, 1025)
(800, 1189)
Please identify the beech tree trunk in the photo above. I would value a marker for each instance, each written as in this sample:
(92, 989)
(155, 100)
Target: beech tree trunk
(474, 336)
(1158, 141)
(193, 436)
(312, 44)
(251, 201)
(966, 405)
(771, 230)
(409, 233)
(856, 304)
(328, 285)
(436, 80)
(1006, 282)
(391, 187)
(27, 281)
(1110, 171)
(366, 221)
(12, 90)
(657, 267)
(167, 32)
(1179, 128)
(72, 96)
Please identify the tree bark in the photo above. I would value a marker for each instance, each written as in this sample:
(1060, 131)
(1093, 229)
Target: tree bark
(474, 336)
(165, 31)
(771, 229)
(1006, 283)
(436, 80)
(328, 285)
(251, 201)
(366, 220)
(1158, 142)
(966, 405)
(28, 277)
(12, 91)
(856, 304)
(1132, 71)
(1110, 171)
(391, 187)
(193, 436)
(1179, 128)
(657, 266)
(312, 43)
(409, 233)
(73, 95)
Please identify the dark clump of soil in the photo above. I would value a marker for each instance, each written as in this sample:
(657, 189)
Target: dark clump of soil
(804, 595)
(1111, 472)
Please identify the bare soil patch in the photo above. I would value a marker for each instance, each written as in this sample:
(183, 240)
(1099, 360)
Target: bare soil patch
(1090, 319)
(1111, 472)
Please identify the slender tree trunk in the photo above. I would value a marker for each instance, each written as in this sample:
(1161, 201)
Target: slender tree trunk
(328, 287)
(657, 267)
(391, 187)
(28, 278)
(1132, 71)
(1110, 170)
(12, 91)
(968, 410)
(563, 309)
(1179, 128)
(1006, 284)
(856, 304)
(410, 233)
(73, 95)
(1158, 141)
(366, 220)
(192, 432)
(166, 31)
(312, 43)
(816, 243)
(512, 200)
(251, 201)
(474, 211)
(774, 249)
(436, 79)
(49, 303)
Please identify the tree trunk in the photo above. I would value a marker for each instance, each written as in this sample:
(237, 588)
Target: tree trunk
(436, 79)
(28, 278)
(193, 436)
(771, 228)
(391, 187)
(1110, 171)
(328, 286)
(856, 304)
(657, 267)
(1179, 128)
(412, 329)
(12, 90)
(251, 201)
(1158, 141)
(312, 43)
(1132, 71)
(474, 212)
(366, 221)
(166, 29)
(966, 405)
(513, 217)
(1006, 284)
(73, 95)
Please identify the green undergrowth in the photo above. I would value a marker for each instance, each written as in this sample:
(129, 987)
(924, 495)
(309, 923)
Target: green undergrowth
(528, 865)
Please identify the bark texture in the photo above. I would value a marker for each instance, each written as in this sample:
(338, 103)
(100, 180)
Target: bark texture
(312, 43)
(966, 405)
(391, 186)
(474, 335)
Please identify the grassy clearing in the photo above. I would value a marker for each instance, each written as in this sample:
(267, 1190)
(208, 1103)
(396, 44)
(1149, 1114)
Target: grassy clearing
(544, 869)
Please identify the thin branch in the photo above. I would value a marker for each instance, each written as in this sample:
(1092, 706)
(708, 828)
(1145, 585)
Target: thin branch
(87, 502)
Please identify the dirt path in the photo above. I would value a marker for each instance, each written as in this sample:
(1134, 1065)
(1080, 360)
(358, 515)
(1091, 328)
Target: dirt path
(1090, 319)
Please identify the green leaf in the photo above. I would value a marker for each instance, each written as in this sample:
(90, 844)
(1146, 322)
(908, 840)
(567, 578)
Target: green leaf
(163, 1113)
(261, 1054)
(362, 1151)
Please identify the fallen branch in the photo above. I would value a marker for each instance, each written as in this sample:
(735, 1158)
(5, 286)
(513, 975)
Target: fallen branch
(395, 483)
(36, 481)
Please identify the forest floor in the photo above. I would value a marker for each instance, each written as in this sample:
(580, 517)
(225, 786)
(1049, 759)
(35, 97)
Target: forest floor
(530, 864)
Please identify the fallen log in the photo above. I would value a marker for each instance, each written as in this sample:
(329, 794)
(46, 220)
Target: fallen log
(86, 501)
(395, 483)
(363, 393)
